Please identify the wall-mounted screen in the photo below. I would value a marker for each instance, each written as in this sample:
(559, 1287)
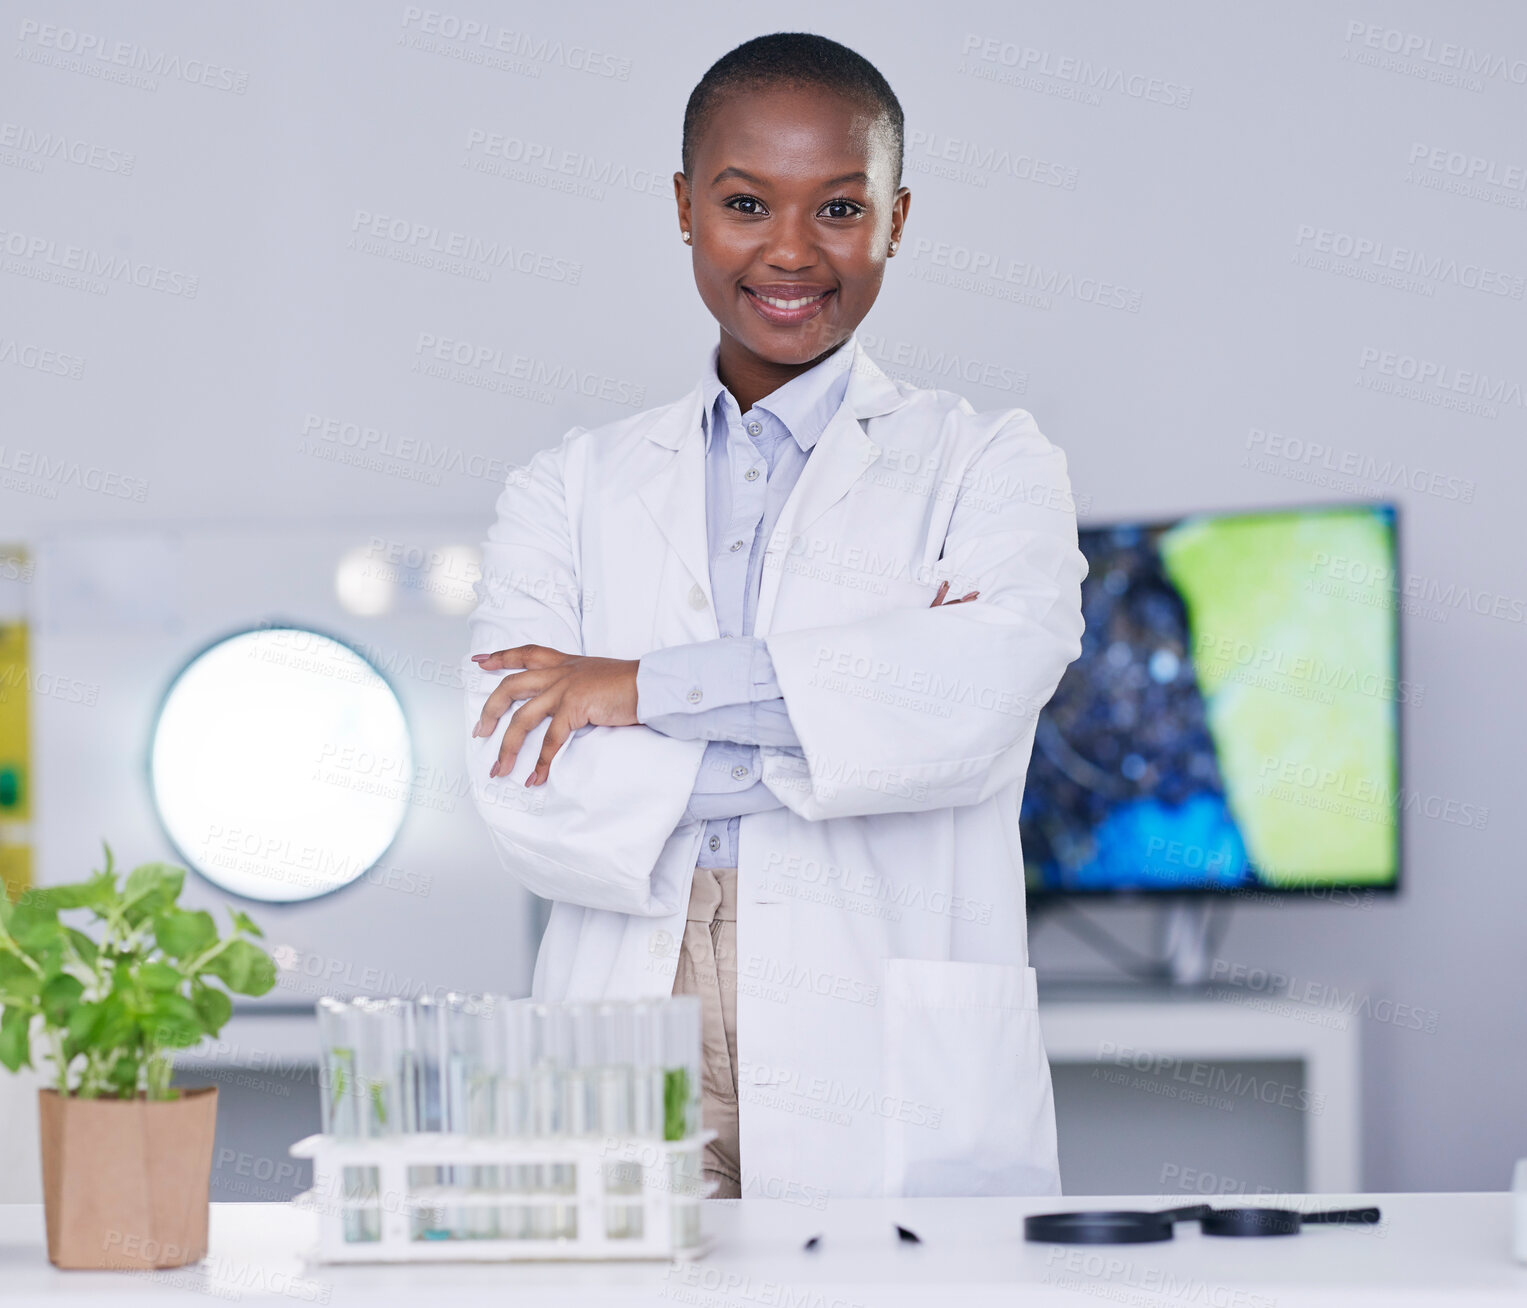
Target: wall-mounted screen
(1233, 719)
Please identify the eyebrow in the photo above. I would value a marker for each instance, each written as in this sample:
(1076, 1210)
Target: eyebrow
(759, 181)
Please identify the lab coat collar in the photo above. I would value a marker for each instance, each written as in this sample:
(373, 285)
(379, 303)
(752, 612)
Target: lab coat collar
(673, 492)
(803, 405)
(870, 394)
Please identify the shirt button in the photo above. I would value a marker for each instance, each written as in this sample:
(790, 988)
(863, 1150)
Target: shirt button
(694, 697)
(754, 428)
(736, 545)
(697, 596)
(739, 771)
(715, 843)
(752, 474)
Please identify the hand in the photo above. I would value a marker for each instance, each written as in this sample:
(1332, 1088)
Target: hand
(943, 589)
(571, 689)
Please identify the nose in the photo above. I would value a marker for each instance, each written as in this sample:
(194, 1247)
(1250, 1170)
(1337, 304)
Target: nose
(790, 244)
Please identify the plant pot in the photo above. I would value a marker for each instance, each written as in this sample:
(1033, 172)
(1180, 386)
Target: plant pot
(125, 1182)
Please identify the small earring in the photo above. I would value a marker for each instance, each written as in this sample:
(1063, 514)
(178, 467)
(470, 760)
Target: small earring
(893, 247)
(686, 236)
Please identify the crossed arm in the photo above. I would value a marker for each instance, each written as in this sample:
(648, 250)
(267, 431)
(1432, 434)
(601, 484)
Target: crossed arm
(590, 823)
(577, 690)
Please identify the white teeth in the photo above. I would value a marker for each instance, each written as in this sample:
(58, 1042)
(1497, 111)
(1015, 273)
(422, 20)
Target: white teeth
(789, 304)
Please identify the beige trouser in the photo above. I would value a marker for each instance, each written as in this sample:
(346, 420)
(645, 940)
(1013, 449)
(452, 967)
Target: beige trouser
(708, 968)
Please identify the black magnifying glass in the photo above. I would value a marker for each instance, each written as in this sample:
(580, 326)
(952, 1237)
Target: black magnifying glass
(1278, 1221)
(1125, 1226)
(1120, 1226)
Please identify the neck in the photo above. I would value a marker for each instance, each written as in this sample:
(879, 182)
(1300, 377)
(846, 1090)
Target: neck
(750, 377)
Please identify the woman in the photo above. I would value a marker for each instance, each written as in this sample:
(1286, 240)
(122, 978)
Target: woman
(760, 754)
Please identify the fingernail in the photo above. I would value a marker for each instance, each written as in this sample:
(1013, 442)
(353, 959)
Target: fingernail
(481, 658)
(493, 771)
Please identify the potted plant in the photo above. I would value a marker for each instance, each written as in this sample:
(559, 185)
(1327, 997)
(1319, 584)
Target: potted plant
(126, 1159)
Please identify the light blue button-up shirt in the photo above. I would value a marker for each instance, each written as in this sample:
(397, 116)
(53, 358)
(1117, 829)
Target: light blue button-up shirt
(724, 690)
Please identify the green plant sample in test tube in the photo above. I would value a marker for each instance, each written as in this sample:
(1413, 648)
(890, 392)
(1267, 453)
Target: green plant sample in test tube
(675, 1103)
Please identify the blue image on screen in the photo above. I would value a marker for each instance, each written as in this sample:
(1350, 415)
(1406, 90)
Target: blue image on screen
(1124, 789)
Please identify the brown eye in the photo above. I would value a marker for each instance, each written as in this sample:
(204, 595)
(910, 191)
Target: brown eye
(840, 204)
(745, 199)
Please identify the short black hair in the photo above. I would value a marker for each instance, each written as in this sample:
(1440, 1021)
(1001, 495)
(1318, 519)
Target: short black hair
(790, 59)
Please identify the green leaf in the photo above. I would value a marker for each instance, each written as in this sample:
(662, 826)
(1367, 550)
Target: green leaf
(84, 946)
(212, 1005)
(184, 935)
(123, 1077)
(17, 980)
(54, 899)
(60, 995)
(110, 1024)
(82, 1024)
(243, 922)
(244, 968)
(378, 1093)
(151, 888)
(35, 928)
(159, 978)
(175, 1023)
(152, 877)
(102, 896)
(15, 1052)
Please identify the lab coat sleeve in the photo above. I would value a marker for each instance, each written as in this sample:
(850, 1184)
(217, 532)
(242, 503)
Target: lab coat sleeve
(716, 690)
(592, 832)
(927, 708)
(702, 675)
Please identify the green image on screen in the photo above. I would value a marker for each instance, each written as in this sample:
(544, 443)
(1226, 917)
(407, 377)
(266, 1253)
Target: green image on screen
(1233, 720)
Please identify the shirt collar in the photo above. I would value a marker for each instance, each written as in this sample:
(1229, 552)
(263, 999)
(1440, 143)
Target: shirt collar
(804, 404)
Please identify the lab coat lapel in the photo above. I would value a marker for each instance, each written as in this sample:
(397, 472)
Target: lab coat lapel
(674, 494)
(843, 453)
(674, 490)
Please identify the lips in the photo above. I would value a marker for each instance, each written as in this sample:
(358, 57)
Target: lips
(788, 303)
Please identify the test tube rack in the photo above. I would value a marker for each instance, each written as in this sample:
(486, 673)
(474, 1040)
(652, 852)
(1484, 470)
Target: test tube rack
(658, 1219)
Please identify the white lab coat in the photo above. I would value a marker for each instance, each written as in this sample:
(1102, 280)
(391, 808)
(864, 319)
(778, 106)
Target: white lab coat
(887, 1036)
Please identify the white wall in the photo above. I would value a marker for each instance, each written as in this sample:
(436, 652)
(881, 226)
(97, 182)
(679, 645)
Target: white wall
(1209, 215)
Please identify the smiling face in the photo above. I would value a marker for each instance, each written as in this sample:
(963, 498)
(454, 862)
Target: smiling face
(792, 208)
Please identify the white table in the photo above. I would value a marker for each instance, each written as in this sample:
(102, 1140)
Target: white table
(1445, 1249)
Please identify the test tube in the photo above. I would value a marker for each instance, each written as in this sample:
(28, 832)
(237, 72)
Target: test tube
(428, 1060)
(549, 1042)
(681, 1107)
(647, 1069)
(470, 1094)
(365, 1098)
(379, 1067)
(615, 1058)
(511, 1112)
(681, 1067)
(400, 1020)
(580, 1111)
(337, 1074)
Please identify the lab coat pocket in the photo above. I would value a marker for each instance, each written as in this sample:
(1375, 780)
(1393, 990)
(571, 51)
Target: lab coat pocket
(968, 1106)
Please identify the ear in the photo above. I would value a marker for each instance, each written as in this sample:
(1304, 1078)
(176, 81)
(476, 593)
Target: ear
(899, 207)
(681, 198)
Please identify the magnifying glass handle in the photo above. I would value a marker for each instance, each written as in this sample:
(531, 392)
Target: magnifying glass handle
(1360, 1215)
(1191, 1214)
